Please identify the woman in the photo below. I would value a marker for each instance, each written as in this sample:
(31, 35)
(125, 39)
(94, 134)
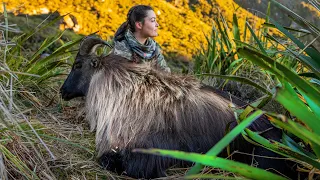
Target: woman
(133, 40)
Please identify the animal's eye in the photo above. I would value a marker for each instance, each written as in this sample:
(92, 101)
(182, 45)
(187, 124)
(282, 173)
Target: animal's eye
(77, 66)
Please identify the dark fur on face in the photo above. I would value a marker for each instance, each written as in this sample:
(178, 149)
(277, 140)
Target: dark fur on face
(137, 106)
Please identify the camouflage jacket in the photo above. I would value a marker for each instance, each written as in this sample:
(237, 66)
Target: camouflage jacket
(122, 48)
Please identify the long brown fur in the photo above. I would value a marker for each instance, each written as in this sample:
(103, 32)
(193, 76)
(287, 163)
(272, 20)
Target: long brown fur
(127, 102)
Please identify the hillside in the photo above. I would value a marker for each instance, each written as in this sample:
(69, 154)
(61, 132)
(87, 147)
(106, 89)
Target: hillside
(183, 23)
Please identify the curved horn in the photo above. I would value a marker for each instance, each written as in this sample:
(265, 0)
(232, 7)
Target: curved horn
(89, 45)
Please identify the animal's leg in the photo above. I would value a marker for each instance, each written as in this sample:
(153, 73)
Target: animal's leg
(111, 161)
(139, 165)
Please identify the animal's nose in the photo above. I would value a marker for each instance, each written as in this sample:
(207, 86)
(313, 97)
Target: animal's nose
(62, 89)
(63, 93)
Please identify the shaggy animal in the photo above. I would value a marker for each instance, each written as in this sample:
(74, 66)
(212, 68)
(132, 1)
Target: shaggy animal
(134, 105)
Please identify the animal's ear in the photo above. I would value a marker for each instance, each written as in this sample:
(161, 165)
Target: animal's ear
(94, 63)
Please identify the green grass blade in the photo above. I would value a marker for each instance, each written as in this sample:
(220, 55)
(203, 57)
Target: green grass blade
(23, 38)
(16, 50)
(300, 131)
(235, 29)
(261, 102)
(295, 146)
(28, 173)
(212, 176)
(266, 29)
(226, 33)
(42, 47)
(305, 60)
(5, 13)
(48, 42)
(234, 133)
(50, 74)
(281, 149)
(229, 165)
(245, 30)
(16, 62)
(312, 105)
(268, 12)
(295, 128)
(66, 142)
(281, 72)
(245, 44)
(212, 51)
(61, 51)
(298, 19)
(289, 99)
(224, 36)
(233, 69)
(270, 25)
(67, 45)
(256, 39)
(233, 64)
(51, 66)
(310, 50)
(225, 141)
(242, 80)
(35, 30)
(39, 65)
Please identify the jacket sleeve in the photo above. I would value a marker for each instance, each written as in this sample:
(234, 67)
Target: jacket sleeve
(162, 62)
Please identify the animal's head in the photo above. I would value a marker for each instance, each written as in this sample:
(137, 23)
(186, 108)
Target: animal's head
(85, 64)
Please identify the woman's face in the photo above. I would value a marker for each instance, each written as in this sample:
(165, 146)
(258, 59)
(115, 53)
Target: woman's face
(150, 25)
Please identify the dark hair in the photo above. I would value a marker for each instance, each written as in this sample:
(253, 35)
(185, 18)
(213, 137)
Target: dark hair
(136, 14)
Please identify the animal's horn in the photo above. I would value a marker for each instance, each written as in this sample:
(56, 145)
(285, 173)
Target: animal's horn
(89, 45)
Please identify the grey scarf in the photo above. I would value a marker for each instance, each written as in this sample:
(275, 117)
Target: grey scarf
(146, 51)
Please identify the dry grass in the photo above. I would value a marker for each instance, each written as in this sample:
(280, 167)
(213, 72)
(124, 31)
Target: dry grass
(66, 136)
